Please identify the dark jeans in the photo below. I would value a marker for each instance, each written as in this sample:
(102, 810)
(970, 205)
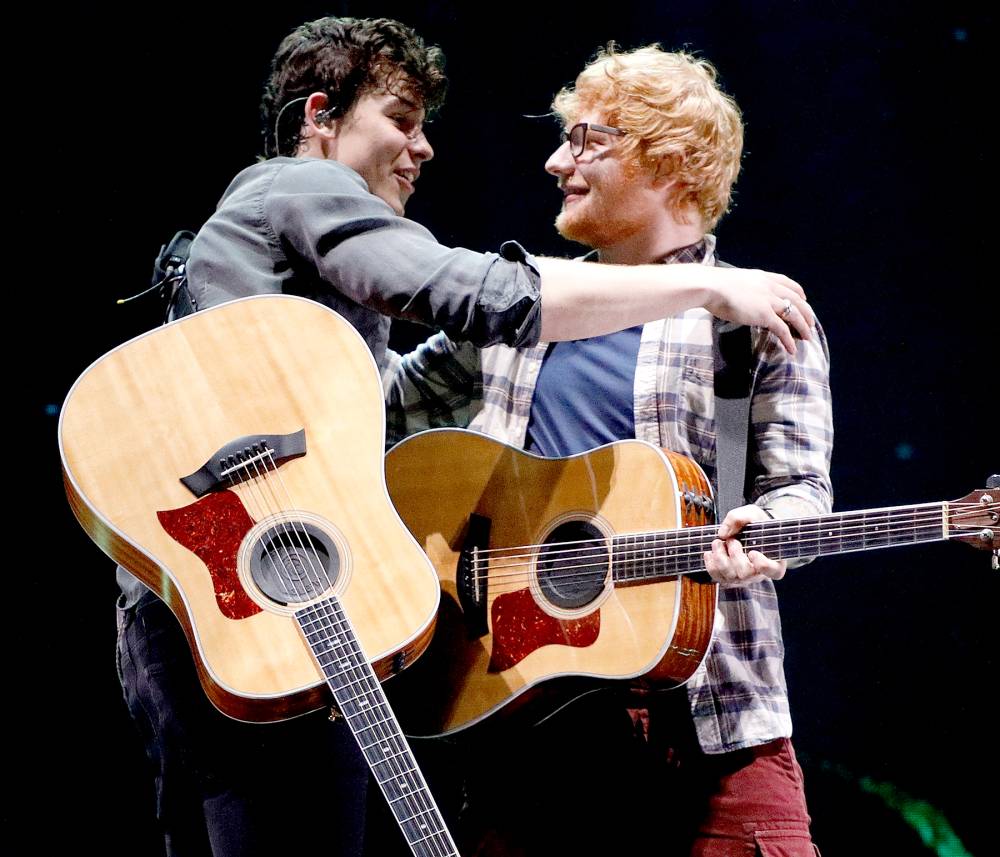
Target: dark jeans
(589, 782)
(230, 788)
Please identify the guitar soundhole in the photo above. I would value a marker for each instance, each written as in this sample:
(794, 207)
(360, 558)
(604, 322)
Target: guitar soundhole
(293, 562)
(573, 564)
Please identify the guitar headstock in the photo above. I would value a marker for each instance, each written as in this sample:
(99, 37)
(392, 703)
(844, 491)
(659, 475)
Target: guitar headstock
(975, 518)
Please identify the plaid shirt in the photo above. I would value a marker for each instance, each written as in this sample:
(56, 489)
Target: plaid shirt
(738, 696)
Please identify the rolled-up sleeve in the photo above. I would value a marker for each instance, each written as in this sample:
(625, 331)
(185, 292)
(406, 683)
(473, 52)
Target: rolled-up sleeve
(323, 217)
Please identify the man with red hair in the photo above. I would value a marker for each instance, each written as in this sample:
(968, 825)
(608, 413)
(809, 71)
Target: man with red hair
(651, 150)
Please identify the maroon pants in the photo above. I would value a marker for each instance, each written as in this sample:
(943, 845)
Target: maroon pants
(755, 804)
(588, 782)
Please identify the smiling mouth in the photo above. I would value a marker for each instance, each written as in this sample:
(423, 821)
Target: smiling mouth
(406, 181)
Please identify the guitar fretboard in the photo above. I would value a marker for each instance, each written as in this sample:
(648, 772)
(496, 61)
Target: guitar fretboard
(362, 702)
(642, 556)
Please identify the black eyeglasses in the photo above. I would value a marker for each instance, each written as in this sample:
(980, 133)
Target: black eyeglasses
(577, 135)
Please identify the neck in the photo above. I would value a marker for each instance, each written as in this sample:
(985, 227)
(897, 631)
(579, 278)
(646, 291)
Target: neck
(311, 147)
(651, 245)
(654, 555)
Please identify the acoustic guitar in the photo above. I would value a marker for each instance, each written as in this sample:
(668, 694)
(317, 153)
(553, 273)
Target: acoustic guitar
(558, 575)
(232, 460)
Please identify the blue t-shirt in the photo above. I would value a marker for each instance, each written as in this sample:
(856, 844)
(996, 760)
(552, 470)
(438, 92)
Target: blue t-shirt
(584, 396)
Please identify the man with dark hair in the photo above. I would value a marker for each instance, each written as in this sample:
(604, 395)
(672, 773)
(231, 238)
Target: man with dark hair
(651, 150)
(345, 58)
(344, 112)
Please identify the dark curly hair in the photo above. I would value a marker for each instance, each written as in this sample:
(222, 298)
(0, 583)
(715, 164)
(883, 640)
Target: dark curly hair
(346, 58)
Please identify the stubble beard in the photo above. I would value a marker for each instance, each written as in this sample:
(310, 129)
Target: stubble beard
(598, 229)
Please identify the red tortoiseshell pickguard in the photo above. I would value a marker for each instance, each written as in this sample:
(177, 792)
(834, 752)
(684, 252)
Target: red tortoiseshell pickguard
(212, 529)
(520, 626)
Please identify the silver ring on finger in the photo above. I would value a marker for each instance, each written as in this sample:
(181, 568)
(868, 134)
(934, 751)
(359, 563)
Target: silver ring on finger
(786, 311)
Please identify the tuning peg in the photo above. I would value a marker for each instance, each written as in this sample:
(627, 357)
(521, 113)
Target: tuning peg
(993, 481)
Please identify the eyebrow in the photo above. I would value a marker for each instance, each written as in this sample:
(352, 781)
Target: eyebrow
(405, 103)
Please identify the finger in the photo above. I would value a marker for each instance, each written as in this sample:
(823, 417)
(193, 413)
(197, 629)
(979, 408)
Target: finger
(776, 324)
(798, 300)
(789, 283)
(794, 321)
(738, 564)
(737, 519)
(736, 569)
(717, 563)
(806, 311)
(773, 569)
(734, 550)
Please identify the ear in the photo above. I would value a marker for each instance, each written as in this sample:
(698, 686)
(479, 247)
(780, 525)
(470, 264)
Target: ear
(316, 124)
(663, 172)
(665, 181)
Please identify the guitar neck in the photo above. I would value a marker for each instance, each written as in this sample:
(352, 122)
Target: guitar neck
(362, 702)
(642, 556)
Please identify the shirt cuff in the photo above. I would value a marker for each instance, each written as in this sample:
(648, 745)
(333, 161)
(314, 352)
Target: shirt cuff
(510, 297)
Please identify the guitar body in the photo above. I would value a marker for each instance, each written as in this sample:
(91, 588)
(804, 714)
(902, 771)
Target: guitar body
(525, 626)
(159, 407)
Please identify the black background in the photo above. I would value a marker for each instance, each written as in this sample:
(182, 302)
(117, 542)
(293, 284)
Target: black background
(866, 178)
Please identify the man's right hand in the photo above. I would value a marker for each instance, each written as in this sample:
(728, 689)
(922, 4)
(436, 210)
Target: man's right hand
(760, 298)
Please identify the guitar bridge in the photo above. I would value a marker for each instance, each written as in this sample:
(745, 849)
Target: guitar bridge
(242, 458)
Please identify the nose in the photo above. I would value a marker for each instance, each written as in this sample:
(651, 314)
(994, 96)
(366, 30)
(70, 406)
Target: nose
(560, 162)
(420, 148)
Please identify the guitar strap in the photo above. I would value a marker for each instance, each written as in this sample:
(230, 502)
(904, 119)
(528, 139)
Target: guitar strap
(731, 351)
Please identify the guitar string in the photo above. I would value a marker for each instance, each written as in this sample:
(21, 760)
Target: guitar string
(676, 552)
(368, 683)
(413, 796)
(260, 514)
(265, 509)
(678, 556)
(686, 543)
(418, 801)
(675, 540)
(519, 581)
(933, 509)
(255, 480)
(372, 688)
(366, 713)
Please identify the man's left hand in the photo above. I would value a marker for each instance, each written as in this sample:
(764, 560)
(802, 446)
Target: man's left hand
(729, 564)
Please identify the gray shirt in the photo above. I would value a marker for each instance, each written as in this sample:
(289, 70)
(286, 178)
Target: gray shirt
(310, 227)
